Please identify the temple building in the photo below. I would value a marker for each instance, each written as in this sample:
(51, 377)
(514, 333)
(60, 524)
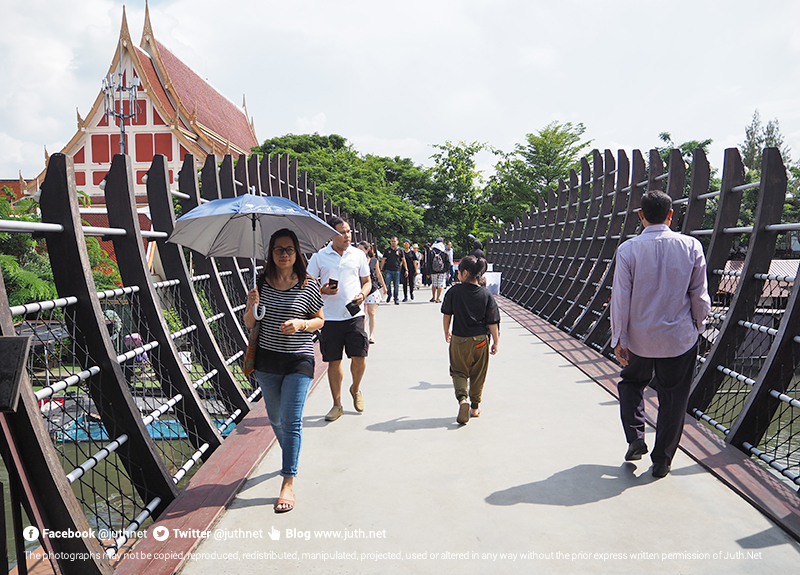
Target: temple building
(177, 112)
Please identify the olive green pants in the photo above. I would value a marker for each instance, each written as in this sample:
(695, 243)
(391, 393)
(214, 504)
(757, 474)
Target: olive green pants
(469, 362)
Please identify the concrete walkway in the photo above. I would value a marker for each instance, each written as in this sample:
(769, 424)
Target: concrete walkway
(536, 484)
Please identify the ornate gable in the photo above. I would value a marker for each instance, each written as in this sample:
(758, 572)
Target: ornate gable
(177, 113)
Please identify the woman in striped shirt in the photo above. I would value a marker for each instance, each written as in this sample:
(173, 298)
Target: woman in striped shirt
(285, 358)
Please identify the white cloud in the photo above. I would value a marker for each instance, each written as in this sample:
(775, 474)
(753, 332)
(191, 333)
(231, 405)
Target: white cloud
(421, 72)
(311, 125)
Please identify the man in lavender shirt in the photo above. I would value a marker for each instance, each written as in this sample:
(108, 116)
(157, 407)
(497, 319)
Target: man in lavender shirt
(659, 303)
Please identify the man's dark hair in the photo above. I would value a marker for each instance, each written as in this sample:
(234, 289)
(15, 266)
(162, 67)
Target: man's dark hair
(335, 221)
(656, 206)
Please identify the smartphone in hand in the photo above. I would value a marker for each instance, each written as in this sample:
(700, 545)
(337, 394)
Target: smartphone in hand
(333, 284)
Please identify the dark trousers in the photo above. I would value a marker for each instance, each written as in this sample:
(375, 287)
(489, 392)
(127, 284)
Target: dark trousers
(408, 285)
(672, 379)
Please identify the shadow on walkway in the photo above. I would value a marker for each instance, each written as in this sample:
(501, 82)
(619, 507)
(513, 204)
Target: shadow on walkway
(403, 424)
(580, 485)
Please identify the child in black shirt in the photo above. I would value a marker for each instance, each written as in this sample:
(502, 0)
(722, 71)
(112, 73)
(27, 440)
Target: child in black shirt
(475, 316)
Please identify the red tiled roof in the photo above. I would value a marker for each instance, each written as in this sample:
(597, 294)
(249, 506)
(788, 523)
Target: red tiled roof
(13, 184)
(148, 68)
(214, 110)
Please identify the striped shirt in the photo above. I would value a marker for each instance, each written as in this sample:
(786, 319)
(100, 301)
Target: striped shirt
(296, 302)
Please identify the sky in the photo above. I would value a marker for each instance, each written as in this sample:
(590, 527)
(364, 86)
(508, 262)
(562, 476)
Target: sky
(394, 78)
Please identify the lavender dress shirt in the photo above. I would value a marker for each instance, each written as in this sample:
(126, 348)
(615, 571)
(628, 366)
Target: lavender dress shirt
(659, 300)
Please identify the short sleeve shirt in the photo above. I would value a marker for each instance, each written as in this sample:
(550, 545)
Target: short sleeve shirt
(473, 309)
(393, 258)
(348, 268)
(411, 257)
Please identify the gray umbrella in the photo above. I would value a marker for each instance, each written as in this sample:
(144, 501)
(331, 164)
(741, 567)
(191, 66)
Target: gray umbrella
(242, 227)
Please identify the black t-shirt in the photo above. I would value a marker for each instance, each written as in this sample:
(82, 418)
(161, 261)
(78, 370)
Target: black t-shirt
(393, 258)
(411, 257)
(473, 309)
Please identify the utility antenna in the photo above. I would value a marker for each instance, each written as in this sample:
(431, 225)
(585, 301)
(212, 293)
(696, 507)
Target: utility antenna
(114, 93)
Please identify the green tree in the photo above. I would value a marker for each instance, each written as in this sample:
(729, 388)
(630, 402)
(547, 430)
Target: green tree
(524, 175)
(23, 260)
(372, 189)
(687, 149)
(25, 263)
(552, 152)
(458, 197)
(757, 137)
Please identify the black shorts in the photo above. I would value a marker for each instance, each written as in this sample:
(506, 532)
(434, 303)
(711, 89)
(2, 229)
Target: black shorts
(348, 334)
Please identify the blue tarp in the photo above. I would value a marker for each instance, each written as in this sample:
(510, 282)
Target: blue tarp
(160, 429)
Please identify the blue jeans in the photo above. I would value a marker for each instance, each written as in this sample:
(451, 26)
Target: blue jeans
(285, 398)
(392, 278)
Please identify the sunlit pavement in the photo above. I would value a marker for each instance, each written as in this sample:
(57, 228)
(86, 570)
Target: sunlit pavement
(536, 484)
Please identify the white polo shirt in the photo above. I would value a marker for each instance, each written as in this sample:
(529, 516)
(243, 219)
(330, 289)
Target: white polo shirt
(348, 268)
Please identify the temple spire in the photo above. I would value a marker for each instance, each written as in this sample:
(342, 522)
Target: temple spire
(147, 31)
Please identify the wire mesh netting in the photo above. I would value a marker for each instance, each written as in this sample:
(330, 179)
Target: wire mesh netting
(228, 344)
(175, 431)
(751, 344)
(66, 381)
(781, 443)
(193, 355)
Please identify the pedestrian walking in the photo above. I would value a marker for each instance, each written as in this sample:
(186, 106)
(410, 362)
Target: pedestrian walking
(418, 277)
(440, 266)
(451, 275)
(658, 309)
(284, 363)
(412, 268)
(475, 319)
(392, 266)
(425, 264)
(343, 272)
(378, 288)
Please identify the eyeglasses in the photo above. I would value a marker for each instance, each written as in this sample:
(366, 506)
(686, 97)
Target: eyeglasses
(290, 251)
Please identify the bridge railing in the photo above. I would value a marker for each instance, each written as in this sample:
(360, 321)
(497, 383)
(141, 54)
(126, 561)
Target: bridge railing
(557, 260)
(130, 390)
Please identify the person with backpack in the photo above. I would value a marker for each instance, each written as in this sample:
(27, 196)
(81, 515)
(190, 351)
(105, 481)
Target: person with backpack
(440, 269)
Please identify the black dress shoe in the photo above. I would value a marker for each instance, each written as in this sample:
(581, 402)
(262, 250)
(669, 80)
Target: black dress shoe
(660, 470)
(636, 449)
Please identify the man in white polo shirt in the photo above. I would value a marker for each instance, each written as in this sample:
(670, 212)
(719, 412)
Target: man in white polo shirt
(343, 272)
